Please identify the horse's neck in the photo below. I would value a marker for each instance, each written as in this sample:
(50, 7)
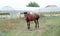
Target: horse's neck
(26, 15)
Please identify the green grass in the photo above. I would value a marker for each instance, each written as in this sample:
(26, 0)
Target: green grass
(49, 26)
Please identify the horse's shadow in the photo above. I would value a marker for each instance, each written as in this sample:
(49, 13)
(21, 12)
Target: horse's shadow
(32, 29)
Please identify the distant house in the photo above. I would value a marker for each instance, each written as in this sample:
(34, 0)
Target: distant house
(12, 12)
(50, 8)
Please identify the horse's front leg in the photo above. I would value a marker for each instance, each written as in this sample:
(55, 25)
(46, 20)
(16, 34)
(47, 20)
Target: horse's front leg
(28, 25)
(35, 24)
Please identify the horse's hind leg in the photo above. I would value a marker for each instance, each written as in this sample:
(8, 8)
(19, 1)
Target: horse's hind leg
(28, 25)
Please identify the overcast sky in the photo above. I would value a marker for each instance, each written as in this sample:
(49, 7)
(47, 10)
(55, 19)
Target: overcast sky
(20, 4)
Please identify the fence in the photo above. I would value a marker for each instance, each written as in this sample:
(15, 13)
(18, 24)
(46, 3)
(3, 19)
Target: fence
(51, 14)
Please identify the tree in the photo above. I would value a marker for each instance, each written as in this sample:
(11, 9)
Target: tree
(33, 4)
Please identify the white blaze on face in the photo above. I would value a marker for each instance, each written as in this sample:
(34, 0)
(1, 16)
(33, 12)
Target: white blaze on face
(30, 12)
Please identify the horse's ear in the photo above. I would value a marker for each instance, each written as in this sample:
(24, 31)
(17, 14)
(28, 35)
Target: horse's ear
(25, 12)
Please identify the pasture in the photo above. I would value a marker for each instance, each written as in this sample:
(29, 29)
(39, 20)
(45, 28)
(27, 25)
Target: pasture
(49, 26)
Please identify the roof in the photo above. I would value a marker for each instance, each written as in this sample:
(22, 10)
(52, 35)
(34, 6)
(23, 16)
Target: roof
(51, 6)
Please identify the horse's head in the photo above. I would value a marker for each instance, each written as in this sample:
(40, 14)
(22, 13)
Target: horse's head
(26, 12)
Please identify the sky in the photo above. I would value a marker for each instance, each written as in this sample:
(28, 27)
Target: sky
(21, 4)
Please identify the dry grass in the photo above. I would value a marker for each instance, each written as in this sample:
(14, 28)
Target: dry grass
(12, 21)
(10, 24)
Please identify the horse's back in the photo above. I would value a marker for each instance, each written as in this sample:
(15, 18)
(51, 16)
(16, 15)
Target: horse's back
(35, 16)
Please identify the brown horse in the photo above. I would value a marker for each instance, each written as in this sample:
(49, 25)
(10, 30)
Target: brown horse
(31, 17)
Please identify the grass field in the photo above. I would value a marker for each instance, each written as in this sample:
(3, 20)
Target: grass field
(49, 26)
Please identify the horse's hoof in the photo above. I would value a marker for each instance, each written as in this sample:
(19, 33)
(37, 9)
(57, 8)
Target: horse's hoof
(30, 29)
